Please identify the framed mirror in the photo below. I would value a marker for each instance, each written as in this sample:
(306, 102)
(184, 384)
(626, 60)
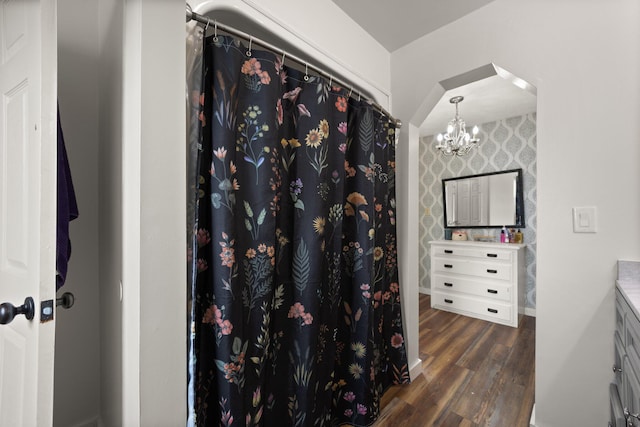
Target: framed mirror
(488, 200)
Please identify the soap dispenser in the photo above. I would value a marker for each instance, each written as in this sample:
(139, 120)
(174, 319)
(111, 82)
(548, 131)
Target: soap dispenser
(503, 235)
(519, 237)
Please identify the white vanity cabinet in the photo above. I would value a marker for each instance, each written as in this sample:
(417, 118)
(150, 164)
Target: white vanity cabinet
(625, 390)
(479, 279)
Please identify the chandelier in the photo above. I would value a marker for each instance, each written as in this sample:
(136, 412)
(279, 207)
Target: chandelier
(457, 141)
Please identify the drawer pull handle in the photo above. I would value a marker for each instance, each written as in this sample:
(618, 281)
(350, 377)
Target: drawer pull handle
(448, 285)
(492, 291)
(489, 270)
(616, 369)
(448, 266)
(448, 301)
(492, 310)
(448, 251)
(492, 255)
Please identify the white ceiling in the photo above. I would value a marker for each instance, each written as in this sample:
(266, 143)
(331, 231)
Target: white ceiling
(485, 100)
(396, 23)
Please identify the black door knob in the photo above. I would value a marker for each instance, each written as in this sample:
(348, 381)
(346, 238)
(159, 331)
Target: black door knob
(8, 311)
(66, 300)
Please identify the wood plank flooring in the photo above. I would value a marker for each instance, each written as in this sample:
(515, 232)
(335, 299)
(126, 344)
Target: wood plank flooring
(474, 373)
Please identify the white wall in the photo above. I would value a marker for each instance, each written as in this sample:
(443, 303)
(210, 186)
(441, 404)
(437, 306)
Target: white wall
(407, 169)
(141, 188)
(584, 59)
(110, 82)
(77, 353)
(161, 205)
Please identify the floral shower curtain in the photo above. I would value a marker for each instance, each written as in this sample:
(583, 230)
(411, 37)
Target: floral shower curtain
(295, 304)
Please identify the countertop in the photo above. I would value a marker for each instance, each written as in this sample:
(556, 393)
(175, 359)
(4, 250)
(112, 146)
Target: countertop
(479, 243)
(629, 283)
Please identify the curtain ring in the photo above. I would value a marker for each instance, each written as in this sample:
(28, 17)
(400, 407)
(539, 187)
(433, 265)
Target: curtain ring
(282, 62)
(358, 96)
(215, 30)
(330, 80)
(206, 27)
(350, 92)
(306, 72)
(249, 51)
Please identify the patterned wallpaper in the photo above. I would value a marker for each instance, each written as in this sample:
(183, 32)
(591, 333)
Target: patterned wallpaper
(504, 144)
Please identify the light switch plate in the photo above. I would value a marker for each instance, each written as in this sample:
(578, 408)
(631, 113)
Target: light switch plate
(585, 219)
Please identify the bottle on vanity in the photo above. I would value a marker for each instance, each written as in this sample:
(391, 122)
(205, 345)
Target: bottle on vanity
(518, 236)
(503, 235)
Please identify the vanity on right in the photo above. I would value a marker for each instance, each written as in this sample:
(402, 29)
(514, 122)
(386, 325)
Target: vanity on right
(624, 391)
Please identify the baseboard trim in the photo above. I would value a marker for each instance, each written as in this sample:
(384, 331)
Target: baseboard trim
(416, 369)
(91, 422)
(532, 420)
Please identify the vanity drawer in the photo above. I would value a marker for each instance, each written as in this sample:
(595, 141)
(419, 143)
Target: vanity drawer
(616, 417)
(488, 289)
(631, 391)
(621, 309)
(487, 270)
(632, 337)
(492, 310)
(618, 356)
(480, 253)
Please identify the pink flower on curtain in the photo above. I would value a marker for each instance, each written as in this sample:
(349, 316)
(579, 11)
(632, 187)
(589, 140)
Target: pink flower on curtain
(397, 340)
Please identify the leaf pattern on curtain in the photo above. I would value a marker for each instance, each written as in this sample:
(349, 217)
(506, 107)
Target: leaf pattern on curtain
(296, 304)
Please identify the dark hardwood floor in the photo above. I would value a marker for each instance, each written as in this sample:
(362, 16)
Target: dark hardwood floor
(474, 373)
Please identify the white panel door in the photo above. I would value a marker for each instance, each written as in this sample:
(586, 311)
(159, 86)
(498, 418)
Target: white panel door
(28, 73)
(475, 203)
(451, 203)
(464, 203)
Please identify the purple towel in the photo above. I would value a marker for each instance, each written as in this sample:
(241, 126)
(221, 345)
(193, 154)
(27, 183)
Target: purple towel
(66, 212)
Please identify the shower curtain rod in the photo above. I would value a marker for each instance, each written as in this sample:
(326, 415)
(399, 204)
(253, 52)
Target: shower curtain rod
(191, 15)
